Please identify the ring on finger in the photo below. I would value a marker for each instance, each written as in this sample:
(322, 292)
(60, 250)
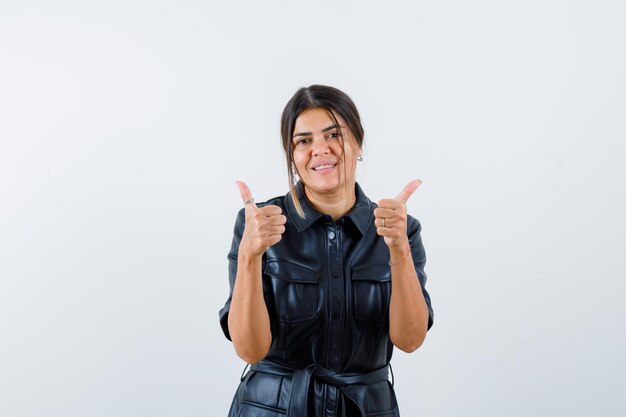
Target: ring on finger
(383, 222)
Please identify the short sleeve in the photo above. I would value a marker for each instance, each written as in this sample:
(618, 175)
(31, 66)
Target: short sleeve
(419, 260)
(232, 269)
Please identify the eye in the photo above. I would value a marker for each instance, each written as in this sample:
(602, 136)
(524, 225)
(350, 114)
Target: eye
(301, 142)
(334, 135)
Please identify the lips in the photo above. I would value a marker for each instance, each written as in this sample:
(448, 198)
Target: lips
(324, 166)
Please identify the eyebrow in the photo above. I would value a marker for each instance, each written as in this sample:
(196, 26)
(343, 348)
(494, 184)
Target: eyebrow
(326, 129)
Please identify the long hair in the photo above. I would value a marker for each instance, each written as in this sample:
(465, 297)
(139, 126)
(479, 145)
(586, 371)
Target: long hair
(337, 103)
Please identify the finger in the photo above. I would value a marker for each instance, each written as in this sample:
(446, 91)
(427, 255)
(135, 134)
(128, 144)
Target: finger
(391, 203)
(277, 220)
(271, 210)
(385, 212)
(408, 190)
(378, 222)
(386, 232)
(246, 195)
(269, 229)
(275, 230)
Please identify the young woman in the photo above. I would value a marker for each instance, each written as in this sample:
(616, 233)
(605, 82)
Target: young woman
(324, 282)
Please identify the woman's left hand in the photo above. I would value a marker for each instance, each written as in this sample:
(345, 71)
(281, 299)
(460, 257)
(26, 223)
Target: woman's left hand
(390, 217)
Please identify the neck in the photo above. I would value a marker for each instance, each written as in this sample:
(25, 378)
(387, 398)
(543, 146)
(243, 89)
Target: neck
(333, 204)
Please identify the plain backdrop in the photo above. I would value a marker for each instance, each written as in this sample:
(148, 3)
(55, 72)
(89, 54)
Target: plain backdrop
(124, 125)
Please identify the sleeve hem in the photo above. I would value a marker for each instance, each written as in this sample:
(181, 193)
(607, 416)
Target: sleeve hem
(224, 320)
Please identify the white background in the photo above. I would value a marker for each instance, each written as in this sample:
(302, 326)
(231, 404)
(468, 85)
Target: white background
(124, 125)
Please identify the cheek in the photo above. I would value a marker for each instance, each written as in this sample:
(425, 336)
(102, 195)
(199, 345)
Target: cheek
(299, 161)
(337, 149)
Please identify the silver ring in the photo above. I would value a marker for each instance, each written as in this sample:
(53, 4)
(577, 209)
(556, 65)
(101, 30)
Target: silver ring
(383, 222)
(248, 201)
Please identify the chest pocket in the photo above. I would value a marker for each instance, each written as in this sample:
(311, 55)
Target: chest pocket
(295, 289)
(371, 291)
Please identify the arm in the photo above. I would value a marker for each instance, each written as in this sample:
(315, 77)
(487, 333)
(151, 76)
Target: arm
(410, 314)
(245, 318)
(248, 320)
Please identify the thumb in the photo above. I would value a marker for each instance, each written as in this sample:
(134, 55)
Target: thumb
(408, 190)
(246, 195)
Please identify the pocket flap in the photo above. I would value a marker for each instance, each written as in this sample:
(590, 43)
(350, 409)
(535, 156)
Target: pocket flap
(291, 271)
(380, 272)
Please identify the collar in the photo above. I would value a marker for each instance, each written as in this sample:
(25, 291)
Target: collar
(361, 213)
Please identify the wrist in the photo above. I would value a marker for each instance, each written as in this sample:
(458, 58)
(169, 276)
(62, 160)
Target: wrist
(247, 256)
(399, 247)
(399, 254)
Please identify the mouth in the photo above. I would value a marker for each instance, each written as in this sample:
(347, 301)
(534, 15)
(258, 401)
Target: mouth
(324, 168)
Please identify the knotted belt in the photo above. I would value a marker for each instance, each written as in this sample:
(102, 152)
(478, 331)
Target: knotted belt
(302, 378)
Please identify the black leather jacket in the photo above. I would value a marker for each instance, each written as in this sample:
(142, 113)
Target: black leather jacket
(327, 286)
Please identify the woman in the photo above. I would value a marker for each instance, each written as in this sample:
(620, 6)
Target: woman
(323, 281)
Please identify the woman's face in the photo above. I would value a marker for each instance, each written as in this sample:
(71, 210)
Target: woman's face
(318, 154)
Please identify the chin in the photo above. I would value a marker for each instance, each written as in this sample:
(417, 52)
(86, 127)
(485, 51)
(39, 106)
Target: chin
(324, 187)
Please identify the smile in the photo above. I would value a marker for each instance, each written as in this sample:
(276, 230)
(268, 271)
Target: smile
(324, 167)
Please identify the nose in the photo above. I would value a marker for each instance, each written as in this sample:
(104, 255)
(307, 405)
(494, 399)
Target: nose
(320, 146)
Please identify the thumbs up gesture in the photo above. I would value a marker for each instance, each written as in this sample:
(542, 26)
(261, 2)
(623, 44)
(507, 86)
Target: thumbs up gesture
(264, 225)
(390, 217)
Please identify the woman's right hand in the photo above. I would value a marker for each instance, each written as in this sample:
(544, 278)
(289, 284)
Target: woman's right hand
(264, 225)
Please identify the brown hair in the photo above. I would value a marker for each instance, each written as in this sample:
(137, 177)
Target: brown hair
(336, 102)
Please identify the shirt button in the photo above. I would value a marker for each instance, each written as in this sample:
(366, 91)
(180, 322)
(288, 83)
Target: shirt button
(331, 235)
(330, 405)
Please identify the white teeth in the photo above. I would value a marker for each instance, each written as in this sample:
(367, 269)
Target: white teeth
(323, 167)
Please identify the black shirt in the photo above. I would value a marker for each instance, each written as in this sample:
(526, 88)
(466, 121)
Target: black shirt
(327, 286)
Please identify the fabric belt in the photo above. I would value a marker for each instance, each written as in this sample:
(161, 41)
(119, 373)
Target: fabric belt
(302, 377)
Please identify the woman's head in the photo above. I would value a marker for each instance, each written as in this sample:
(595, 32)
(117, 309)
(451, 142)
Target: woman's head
(322, 136)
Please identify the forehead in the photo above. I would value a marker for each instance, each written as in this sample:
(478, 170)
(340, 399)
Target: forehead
(315, 120)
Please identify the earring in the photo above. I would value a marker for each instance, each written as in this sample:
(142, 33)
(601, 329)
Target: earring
(359, 158)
